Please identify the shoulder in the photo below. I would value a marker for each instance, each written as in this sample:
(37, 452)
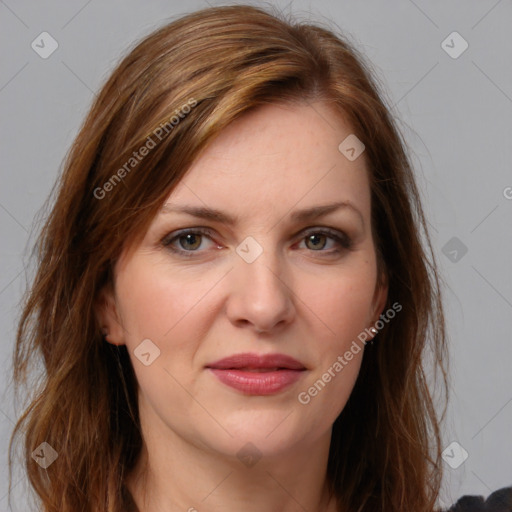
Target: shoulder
(498, 501)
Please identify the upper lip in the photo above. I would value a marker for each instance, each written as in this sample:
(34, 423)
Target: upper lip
(256, 361)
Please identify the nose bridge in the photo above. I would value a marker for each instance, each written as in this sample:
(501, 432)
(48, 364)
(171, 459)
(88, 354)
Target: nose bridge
(260, 265)
(260, 294)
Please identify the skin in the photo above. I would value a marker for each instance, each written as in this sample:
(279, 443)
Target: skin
(299, 298)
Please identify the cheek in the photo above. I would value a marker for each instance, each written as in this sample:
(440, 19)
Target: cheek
(341, 304)
(155, 304)
(166, 309)
(342, 300)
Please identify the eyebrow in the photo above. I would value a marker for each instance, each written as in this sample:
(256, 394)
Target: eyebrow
(306, 214)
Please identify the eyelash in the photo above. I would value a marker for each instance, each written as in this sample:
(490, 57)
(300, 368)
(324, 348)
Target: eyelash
(343, 240)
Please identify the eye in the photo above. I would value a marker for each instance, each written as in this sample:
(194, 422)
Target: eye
(187, 242)
(317, 240)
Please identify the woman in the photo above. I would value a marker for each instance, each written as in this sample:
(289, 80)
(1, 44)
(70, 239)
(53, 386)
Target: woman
(232, 300)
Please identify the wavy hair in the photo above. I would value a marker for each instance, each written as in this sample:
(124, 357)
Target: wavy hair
(223, 62)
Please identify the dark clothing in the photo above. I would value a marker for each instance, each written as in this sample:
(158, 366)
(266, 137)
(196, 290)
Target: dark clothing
(498, 501)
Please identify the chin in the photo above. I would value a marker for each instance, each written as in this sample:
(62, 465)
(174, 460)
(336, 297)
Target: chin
(271, 432)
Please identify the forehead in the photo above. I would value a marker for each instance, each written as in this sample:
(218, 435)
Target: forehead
(275, 157)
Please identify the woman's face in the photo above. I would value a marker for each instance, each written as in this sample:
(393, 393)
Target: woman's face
(271, 281)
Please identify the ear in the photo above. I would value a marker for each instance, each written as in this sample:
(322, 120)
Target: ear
(379, 300)
(108, 316)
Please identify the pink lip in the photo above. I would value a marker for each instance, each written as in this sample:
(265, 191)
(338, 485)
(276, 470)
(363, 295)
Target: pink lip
(258, 375)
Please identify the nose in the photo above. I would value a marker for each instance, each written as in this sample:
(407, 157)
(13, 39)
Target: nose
(259, 296)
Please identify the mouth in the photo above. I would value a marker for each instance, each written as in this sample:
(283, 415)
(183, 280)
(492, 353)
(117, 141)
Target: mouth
(257, 370)
(255, 362)
(252, 374)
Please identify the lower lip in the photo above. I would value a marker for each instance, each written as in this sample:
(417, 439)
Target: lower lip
(258, 383)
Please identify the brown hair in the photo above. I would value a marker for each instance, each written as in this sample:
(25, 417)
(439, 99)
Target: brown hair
(222, 62)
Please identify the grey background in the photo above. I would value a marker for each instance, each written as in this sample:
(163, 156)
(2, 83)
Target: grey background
(455, 114)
